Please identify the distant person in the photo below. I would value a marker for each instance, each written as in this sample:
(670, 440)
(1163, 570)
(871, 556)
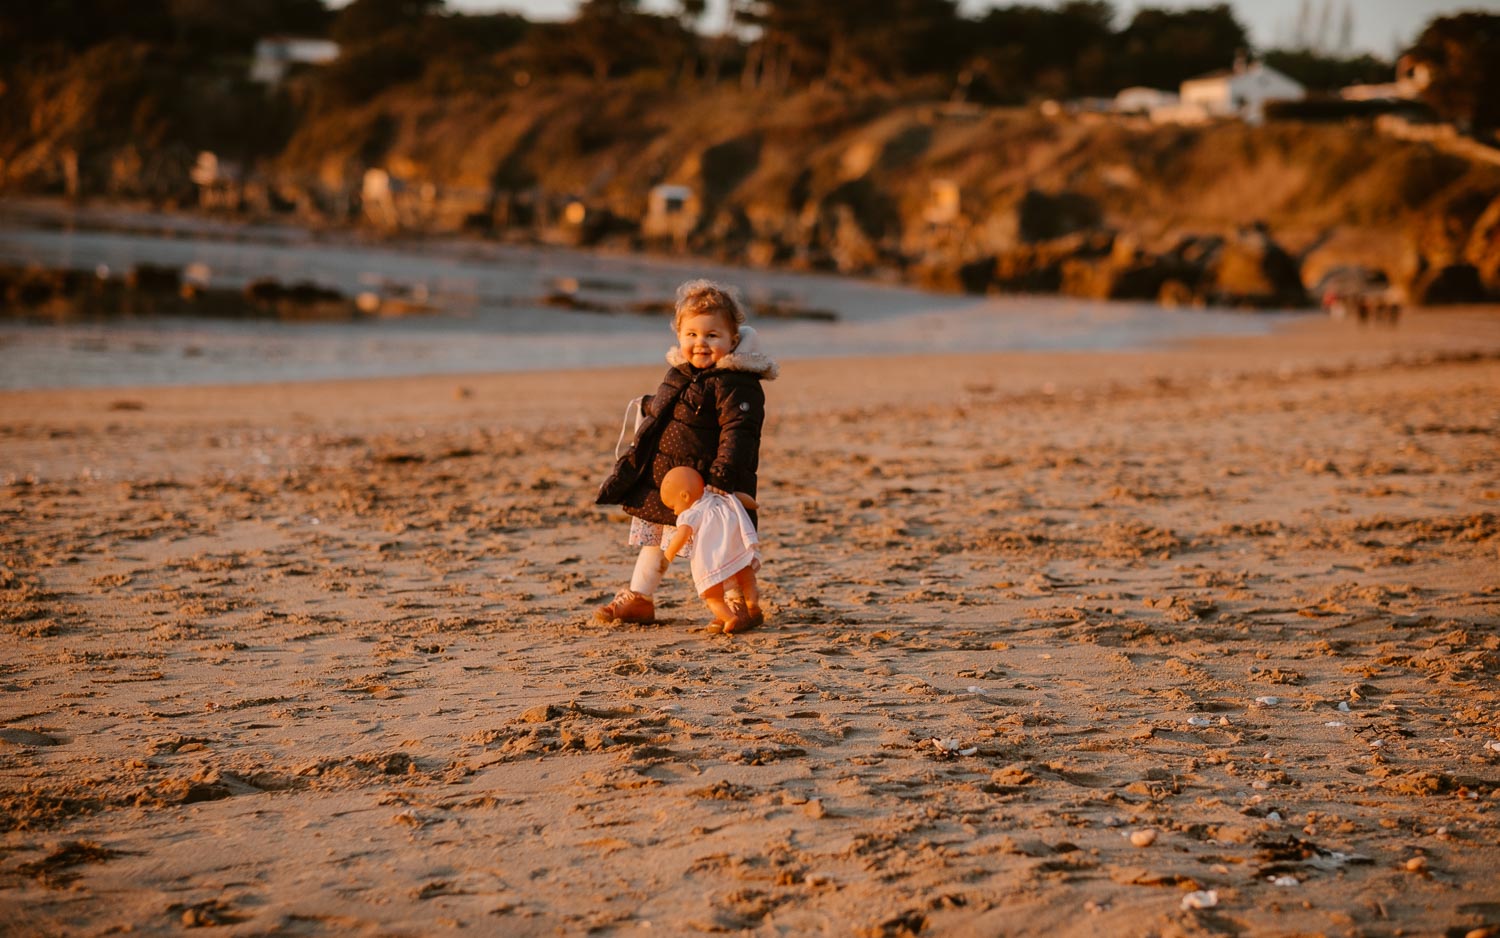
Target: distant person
(707, 414)
(726, 548)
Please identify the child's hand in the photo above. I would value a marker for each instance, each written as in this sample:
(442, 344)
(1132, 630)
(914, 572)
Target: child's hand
(666, 561)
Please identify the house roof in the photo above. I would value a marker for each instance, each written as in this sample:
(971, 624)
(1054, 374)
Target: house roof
(1253, 67)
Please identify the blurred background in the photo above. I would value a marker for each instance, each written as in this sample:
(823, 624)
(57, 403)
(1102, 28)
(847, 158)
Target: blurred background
(195, 189)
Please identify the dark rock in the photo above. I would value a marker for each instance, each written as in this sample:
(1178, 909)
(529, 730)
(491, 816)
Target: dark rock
(975, 276)
(1038, 268)
(934, 275)
(300, 301)
(1042, 217)
(1251, 269)
(764, 252)
(1483, 248)
(724, 165)
(1455, 283)
(1175, 294)
(153, 278)
(1140, 278)
(1030, 269)
(852, 249)
(1196, 249)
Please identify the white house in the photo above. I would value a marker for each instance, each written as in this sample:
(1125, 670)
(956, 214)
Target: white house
(1241, 91)
(275, 54)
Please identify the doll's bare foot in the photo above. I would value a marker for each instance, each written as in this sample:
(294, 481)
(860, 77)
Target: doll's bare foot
(741, 618)
(756, 616)
(740, 623)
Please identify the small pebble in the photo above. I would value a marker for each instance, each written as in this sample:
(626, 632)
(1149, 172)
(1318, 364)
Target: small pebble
(1416, 864)
(1143, 838)
(1343, 706)
(1200, 721)
(1285, 881)
(1202, 899)
(1268, 701)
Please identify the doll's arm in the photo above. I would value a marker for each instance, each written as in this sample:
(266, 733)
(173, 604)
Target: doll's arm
(679, 540)
(749, 503)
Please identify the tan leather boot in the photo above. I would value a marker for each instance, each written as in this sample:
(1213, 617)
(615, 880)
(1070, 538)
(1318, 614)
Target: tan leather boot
(627, 606)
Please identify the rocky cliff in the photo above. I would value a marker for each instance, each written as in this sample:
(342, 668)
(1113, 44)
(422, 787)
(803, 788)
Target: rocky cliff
(950, 195)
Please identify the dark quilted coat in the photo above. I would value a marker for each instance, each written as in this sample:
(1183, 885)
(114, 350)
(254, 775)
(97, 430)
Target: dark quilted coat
(709, 419)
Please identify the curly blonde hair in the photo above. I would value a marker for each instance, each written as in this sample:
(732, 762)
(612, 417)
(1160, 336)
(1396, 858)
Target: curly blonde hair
(706, 296)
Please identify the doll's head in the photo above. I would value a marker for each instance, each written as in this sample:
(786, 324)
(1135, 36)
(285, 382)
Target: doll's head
(680, 488)
(707, 322)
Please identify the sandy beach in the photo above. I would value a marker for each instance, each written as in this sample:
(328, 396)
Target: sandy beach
(1185, 642)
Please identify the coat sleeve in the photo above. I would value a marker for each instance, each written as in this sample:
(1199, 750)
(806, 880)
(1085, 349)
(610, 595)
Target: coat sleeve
(742, 411)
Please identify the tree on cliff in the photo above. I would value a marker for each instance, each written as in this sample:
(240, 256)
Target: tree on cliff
(846, 40)
(1316, 71)
(1461, 55)
(368, 20)
(216, 27)
(1019, 51)
(610, 39)
(1162, 48)
(196, 29)
(28, 29)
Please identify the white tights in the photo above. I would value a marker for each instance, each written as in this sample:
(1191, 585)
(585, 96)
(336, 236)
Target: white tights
(647, 575)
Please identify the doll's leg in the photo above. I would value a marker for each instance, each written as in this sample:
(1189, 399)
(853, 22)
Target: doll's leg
(748, 615)
(729, 617)
(719, 606)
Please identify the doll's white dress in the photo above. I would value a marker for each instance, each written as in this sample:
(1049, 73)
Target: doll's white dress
(724, 540)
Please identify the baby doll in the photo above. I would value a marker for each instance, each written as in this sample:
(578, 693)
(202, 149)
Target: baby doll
(726, 549)
(707, 413)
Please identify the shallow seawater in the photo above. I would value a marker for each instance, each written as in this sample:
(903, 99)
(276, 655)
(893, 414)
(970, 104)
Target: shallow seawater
(488, 316)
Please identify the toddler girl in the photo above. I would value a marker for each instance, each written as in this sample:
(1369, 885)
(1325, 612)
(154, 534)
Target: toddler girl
(706, 414)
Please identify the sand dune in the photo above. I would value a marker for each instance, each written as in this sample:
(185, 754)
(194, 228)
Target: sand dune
(1197, 641)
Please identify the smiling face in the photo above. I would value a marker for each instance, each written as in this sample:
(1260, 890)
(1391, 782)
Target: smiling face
(705, 338)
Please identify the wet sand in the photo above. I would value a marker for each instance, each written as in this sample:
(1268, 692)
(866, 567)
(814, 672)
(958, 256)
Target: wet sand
(1207, 640)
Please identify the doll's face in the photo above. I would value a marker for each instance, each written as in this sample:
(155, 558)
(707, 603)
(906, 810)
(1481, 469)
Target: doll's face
(704, 338)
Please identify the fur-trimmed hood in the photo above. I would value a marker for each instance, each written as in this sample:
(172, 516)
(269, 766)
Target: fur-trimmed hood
(747, 356)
